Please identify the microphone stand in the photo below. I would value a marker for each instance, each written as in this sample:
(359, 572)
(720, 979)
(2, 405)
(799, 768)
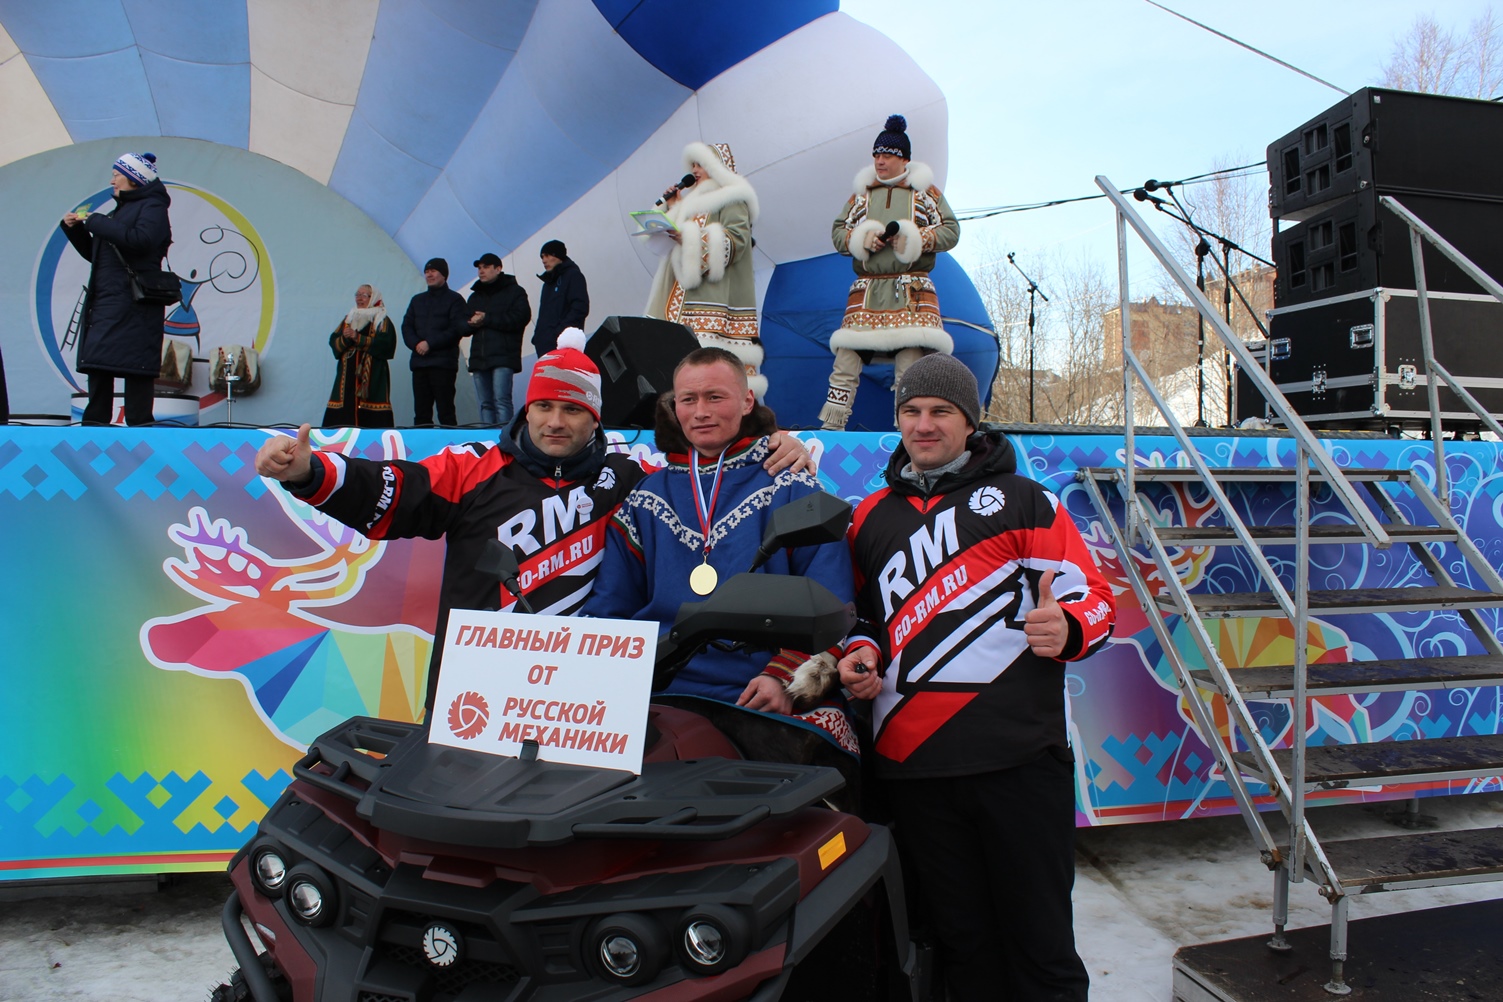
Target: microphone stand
(1201, 250)
(1226, 245)
(1033, 288)
(230, 379)
(1224, 264)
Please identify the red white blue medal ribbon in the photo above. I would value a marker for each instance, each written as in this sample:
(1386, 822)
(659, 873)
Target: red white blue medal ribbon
(703, 578)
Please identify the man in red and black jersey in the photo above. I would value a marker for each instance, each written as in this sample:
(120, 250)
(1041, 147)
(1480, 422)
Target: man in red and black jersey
(974, 587)
(547, 490)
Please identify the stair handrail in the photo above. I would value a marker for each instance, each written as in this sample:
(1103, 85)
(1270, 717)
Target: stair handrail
(1418, 228)
(1305, 850)
(1372, 529)
(1234, 521)
(1307, 450)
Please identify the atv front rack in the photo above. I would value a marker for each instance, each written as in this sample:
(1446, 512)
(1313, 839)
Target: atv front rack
(402, 784)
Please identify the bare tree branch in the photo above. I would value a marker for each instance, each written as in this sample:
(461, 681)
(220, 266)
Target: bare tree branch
(1434, 59)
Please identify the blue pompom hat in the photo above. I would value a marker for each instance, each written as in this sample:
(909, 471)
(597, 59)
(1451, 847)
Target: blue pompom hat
(893, 138)
(139, 167)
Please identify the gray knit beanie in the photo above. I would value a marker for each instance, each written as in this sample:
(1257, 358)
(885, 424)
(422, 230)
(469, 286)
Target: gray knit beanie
(946, 377)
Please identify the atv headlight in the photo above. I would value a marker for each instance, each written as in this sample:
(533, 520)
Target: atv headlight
(705, 942)
(621, 955)
(628, 949)
(269, 868)
(712, 939)
(310, 895)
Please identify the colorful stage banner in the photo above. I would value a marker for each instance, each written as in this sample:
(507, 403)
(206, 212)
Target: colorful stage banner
(178, 630)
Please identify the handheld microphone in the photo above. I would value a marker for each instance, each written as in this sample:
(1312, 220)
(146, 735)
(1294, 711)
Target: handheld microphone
(687, 181)
(890, 232)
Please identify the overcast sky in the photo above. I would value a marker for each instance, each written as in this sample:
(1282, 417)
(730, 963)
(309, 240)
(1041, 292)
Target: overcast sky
(1044, 96)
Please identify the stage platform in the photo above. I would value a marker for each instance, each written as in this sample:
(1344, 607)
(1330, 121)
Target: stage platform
(183, 628)
(1434, 955)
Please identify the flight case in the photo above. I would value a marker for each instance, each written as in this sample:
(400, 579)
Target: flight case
(1355, 361)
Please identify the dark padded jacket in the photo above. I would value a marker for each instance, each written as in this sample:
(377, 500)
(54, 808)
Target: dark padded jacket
(564, 302)
(118, 336)
(497, 342)
(437, 316)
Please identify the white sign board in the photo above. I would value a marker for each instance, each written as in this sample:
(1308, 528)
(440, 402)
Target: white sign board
(578, 687)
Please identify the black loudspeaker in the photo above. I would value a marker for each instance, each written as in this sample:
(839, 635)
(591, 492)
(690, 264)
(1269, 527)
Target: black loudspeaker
(1352, 245)
(1395, 142)
(636, 357)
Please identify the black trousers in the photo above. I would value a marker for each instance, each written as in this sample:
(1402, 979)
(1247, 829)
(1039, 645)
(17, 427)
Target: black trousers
(994, 860)
(138, 399)
(433, 388)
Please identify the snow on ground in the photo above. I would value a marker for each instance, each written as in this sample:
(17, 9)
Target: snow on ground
(1142, 891)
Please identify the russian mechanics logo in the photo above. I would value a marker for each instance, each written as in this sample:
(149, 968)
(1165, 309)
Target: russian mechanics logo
(228, 296)
(987, 501)
(440, 945)
(607, 479)
(468, 715)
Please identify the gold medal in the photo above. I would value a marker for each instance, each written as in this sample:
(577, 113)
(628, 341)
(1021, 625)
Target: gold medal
(703, 579)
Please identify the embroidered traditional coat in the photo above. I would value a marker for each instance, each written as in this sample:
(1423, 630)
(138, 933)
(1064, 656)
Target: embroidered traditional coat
(892, 304)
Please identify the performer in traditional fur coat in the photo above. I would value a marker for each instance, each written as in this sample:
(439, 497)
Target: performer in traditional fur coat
(706, 282)
(892, 308)
(364, 344)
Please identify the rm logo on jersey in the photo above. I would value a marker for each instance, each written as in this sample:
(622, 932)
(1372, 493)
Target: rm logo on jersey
(987, 501)
(607, 479)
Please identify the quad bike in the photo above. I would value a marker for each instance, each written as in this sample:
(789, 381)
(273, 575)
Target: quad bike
(395, 870)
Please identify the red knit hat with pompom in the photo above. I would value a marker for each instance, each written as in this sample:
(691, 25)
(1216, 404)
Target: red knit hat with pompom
(567, 374)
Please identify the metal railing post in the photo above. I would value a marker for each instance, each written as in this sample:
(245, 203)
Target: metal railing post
(1299, 722)
(1476, 274)
(1130, 460)
(1432, 384)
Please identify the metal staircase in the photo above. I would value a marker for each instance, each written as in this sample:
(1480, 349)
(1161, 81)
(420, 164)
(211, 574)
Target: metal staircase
(1356, 507)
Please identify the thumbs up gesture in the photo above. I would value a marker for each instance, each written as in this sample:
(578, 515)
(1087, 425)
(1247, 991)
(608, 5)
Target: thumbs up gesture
(1045, 626)
(286, 459)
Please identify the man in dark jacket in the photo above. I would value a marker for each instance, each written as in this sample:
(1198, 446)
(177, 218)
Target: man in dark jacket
(118, 336)
(564, 302)
(975, 590)
(500, 312)
(436, 319)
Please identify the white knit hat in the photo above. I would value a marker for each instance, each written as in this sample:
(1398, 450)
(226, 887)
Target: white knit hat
(139, 167)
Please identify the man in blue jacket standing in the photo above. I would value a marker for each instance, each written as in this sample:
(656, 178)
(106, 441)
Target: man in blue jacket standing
(436, 319)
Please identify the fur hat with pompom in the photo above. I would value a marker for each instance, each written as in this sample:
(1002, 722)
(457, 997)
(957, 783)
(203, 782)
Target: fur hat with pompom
(566, 374)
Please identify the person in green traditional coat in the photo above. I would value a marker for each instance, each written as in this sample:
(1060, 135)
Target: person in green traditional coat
(706, 281)
(364, 343)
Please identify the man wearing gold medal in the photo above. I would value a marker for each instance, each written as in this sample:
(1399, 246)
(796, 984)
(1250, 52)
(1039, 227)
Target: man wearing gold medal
(699, 520)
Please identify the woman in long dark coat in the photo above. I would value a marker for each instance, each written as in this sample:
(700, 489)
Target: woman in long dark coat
(364, 343)
(118, 336)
